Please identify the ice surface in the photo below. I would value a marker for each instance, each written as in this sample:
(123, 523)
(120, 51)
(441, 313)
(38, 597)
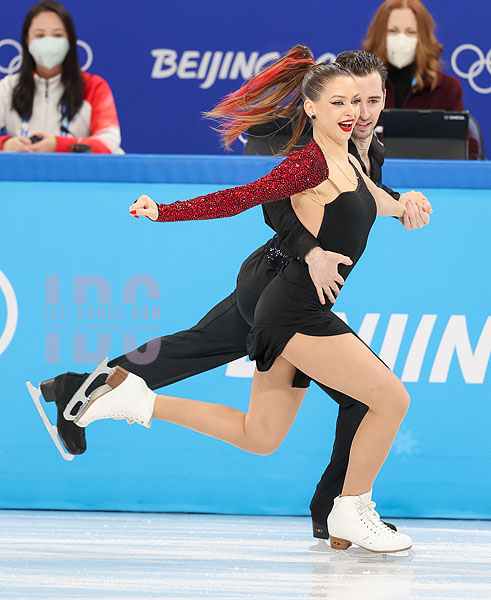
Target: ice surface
(50, 555)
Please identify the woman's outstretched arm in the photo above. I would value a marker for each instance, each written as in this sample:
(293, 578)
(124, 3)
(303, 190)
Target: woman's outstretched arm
(301, 170)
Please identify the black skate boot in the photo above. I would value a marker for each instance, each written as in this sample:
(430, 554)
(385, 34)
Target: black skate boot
(61, 390)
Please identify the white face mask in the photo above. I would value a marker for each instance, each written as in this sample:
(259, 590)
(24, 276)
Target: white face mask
(49, 51)
(401, 49)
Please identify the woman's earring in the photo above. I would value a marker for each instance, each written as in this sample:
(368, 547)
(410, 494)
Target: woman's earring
(312, 117)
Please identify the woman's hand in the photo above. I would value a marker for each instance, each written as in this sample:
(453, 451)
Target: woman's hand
(323, 270)
(145, 207)
(18, 143)
(414, 216)
(46, 144)
(417, 210)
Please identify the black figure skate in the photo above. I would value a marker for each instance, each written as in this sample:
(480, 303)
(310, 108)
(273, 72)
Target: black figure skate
(70, 392)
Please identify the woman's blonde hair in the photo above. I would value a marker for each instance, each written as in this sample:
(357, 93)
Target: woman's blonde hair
(428, 50)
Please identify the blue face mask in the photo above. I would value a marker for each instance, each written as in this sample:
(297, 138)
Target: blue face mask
(49, 51)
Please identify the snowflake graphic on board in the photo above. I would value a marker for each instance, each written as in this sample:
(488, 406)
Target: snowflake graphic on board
(406, 443)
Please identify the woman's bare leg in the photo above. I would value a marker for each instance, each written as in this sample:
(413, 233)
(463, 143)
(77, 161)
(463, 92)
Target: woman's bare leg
(273, 406)
(344, 363)
(341, 362)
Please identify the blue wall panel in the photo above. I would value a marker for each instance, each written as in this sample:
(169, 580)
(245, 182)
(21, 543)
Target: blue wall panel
(168, 62)
(436, 278)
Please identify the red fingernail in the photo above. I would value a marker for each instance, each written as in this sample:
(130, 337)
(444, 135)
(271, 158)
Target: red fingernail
(136, 216)
(132, 212)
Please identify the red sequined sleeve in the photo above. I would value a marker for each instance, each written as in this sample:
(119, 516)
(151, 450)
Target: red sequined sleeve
(301, 170)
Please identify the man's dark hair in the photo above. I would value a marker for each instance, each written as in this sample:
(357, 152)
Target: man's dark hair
(361, 63)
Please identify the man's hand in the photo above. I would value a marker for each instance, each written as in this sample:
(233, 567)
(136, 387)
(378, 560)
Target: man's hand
(46, 144)
(323, 270)
(18, 143)
(145, 207)
(419, 198)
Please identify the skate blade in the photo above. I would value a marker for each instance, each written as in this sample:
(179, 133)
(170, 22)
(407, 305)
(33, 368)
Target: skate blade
(364, 555)
(35, 394)
(361, 555)
(80, 396)
(321, 546)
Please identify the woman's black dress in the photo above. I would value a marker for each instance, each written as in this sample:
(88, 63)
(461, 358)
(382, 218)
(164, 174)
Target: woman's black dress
(289, 304)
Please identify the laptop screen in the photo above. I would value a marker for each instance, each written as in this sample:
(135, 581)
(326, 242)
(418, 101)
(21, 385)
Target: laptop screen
(437, 134)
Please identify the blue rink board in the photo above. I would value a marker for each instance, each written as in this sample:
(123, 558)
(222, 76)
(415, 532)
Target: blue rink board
(441, 462)
(230, 169)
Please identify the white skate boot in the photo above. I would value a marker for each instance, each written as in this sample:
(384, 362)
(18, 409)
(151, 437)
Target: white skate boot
(123, 396)
(354, 520)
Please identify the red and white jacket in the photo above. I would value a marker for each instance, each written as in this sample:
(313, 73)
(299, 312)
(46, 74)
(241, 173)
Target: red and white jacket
(95, 124)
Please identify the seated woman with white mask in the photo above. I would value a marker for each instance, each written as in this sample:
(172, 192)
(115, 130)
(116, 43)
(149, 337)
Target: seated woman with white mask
(402, 35)
(51, 105)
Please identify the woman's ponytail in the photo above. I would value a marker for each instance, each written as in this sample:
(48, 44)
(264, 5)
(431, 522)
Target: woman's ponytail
(274, 93)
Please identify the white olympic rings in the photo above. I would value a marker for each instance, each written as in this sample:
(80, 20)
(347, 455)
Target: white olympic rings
(12, 312)
(14, 65)
(475, 69)
(88, 51)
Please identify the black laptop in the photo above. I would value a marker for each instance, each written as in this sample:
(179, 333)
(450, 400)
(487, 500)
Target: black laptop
(437, 134)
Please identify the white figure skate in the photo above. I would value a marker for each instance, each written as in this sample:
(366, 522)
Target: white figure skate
(84, 394)
(124, 396)
(354, 520)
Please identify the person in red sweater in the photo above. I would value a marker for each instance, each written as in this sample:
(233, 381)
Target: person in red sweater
(402, 35)
(51, 105)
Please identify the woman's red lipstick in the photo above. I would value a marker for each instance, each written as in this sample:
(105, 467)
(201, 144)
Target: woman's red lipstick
(346, 126)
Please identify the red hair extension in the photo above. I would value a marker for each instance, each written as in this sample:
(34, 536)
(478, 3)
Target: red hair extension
(273, 93)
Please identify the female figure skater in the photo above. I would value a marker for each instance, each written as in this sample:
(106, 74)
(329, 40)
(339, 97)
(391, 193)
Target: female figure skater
(291, 331)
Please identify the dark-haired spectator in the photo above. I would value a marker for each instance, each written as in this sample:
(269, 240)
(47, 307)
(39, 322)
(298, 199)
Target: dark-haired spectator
(51, 105)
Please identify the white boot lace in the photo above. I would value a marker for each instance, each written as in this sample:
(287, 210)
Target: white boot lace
(372, 519)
